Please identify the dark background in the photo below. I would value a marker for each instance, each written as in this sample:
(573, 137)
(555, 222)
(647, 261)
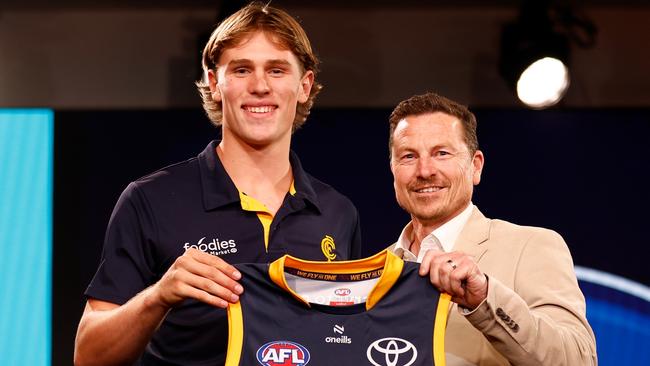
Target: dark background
(582, 173)
(100, 65)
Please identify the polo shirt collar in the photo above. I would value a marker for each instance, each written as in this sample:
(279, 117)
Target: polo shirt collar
(219, 190)
(302, 183)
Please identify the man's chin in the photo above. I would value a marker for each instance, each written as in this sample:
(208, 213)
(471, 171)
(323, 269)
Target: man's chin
(428, 217)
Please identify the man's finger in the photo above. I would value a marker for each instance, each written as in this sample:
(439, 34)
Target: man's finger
(216, 262)
(427, 260)
(205, 297)
(212, 274)
(212, 288)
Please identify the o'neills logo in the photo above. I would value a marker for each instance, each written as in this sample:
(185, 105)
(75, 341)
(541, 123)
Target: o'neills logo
(341, 339)
(214, 247)
(327, 246)
(339, 329)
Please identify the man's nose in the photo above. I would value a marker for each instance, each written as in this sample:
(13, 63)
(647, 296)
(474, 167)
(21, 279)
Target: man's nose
(259, 84)
(426, 167)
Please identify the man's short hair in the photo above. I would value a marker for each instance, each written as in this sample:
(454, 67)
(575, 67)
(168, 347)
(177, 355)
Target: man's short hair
(431, 103)
(282, 29)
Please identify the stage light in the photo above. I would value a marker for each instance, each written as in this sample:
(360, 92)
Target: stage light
(535, 56)
(543, 83)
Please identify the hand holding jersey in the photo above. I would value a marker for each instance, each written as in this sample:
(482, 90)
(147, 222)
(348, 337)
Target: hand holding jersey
(457, 274)
(200, 276)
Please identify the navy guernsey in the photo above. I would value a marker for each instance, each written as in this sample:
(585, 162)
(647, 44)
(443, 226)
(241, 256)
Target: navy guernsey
(375, 311)
(195, 204)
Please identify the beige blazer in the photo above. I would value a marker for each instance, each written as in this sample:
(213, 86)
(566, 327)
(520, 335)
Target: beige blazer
(534, 313)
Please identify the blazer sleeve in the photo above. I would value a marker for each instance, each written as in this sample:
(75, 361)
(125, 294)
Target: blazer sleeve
(542, 320)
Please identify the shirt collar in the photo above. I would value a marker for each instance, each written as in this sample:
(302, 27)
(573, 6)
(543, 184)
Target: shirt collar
(302, 182)
(219, 190)
(449, 231)
(443, 237)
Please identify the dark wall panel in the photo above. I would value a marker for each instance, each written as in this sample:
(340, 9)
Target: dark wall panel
(582, 173)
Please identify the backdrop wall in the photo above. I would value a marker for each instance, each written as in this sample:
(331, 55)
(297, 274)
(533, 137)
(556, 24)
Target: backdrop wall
(579, 172)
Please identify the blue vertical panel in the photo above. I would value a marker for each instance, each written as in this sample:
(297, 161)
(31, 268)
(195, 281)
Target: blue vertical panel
(26, 139)
(618, 311)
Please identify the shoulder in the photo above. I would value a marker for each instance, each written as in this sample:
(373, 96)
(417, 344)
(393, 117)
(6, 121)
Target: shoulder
(506, 228)
(169, 175)
(179, 181)
(530, 238)
(178, 176)
(329, 197)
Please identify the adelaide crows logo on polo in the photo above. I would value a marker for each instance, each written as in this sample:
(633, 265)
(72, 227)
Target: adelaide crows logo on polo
(327, 246)
(283, 353)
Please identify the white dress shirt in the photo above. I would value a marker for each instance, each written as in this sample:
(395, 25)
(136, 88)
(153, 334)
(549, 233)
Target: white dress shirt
(442, 238)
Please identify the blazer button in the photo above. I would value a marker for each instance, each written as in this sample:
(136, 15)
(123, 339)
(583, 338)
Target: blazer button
(500, 313)
(515, 328)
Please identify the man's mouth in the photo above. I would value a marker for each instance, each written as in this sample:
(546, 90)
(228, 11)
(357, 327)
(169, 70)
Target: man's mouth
(428, 189)
(260, 109)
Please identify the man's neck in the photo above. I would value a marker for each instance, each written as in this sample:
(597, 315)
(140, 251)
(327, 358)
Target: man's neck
(445, 231)
(261, 172)
(420, 231)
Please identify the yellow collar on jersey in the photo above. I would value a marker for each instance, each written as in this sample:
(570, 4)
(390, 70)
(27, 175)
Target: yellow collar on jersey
(386, 260)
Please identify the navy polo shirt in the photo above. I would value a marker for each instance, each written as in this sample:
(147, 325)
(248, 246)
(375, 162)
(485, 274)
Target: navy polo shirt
(195, 204)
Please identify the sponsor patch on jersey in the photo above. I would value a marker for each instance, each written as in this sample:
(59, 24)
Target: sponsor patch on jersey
(283, 353)
(213, 246)
(392, 351)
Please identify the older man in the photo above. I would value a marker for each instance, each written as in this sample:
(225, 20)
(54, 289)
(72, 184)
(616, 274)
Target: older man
(515, 292)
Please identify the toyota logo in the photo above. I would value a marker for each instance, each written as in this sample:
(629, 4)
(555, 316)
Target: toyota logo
(392, 352)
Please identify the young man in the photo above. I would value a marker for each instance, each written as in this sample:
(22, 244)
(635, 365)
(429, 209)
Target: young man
(166, 276)
(516, 294)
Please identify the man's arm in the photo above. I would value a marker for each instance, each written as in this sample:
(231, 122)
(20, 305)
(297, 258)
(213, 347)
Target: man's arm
(539, 322)
(111, 334)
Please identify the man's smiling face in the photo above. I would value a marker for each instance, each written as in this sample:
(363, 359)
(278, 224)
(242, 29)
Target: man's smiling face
(434, 172)
(259, 84)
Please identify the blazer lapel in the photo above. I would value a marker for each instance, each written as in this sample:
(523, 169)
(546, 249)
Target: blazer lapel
(473, 238)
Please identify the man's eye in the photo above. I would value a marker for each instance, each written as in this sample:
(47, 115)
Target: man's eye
(442, 154)
(408, 156)
(276, 71)
(241, 71)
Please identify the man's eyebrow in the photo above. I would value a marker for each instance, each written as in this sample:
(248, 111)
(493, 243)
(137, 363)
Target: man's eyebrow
(278, 62)
(239, 62)
(244, 62)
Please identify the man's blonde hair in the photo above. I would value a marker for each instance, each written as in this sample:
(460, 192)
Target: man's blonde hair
(282, 29)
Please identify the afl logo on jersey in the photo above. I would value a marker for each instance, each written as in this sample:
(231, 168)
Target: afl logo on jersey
(392, 352)
(342, 291)
(283, 353)
(327, 246)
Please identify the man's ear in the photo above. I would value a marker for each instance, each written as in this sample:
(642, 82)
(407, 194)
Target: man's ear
(477, 161)
(214, 87)
(306, 82)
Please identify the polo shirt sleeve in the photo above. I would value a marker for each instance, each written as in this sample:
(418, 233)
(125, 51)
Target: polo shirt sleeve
(127, 263)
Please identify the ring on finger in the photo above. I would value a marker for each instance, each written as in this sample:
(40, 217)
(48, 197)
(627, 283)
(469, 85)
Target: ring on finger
(452, 264)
